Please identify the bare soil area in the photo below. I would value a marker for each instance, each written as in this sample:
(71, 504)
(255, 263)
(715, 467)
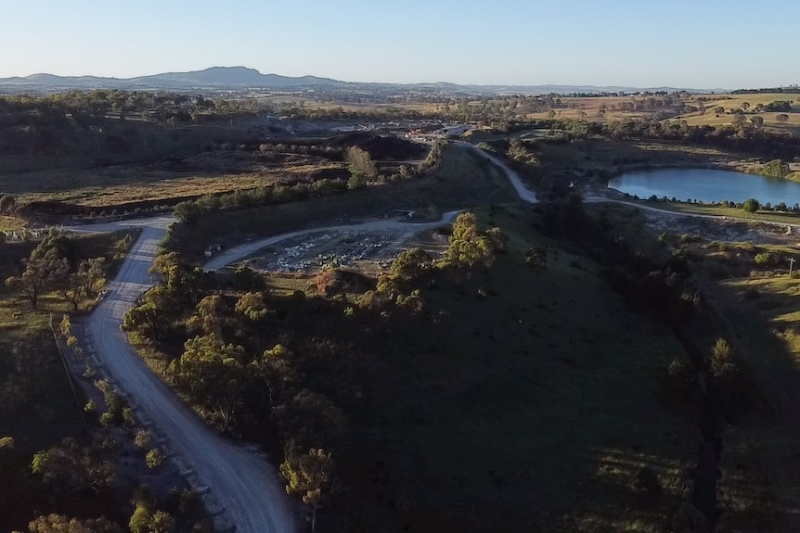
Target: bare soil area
(722, 230)
(370, 252)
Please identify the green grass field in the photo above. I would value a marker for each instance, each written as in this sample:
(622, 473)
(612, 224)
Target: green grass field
(755, 307)
(760, 465)
(537, 405)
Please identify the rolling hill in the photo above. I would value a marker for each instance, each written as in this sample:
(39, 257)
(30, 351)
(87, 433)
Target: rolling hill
(241, 78)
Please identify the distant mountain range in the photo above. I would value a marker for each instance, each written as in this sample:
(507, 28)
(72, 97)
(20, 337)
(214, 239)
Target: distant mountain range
(243, 78)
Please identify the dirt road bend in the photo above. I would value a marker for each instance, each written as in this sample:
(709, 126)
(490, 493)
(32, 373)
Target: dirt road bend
(243, 489)
(524, 193)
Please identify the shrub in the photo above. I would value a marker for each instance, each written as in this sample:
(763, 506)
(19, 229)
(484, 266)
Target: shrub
(722, 361)
(751, 205)
(154, 458)
(763, 259)
(143, 439)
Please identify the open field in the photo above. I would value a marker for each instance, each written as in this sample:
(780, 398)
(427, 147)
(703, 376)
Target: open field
(759, 486)
(754, 305)
(547, 416)
(304, 102)
(590, 109)
(203, 173)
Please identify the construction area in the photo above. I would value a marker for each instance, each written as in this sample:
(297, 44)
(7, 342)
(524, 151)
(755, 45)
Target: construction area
(368, 251)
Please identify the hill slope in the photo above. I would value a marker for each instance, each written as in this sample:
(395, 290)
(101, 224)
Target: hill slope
(242, 77)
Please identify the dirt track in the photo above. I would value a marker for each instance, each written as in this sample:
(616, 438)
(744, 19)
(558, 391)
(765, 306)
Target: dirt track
(238, 485)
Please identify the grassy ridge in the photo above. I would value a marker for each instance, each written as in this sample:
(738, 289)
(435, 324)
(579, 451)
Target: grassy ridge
(547, 369)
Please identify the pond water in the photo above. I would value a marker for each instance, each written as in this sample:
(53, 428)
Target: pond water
(707, 185)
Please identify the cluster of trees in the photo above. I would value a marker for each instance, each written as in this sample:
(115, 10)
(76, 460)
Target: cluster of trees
(231, 368)
(794, 89)
(82, 123)
(70, 468)
(339, 113)
(362, 168)
(469, 249)
(522, 155)
(485, 109)
(778, 105)
(743, 137)
(55, 523)
(161, 106)
(55, 265)
(247, 359)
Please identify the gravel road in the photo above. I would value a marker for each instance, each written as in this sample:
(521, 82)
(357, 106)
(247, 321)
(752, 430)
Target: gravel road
(524, 192)
(245, 488)
(239, 252)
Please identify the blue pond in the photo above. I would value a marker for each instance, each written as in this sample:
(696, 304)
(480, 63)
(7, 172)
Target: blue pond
(707, 185)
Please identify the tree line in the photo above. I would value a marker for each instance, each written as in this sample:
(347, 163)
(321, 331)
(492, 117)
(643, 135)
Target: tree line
(363, 172)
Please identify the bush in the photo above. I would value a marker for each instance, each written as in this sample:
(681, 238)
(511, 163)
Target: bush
(143, 439)
(763, 259)
(154, 458)
(751, 205)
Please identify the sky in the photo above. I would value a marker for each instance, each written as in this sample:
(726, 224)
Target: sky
(700, 44)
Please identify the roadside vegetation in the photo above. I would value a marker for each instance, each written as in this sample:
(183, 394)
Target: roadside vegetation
(62, 444)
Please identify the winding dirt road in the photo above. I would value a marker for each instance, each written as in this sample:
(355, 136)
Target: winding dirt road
(238, 486)
(239, 252)
(523, 192)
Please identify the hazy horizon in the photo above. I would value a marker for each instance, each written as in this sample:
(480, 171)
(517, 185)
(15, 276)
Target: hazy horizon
(716, 45)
